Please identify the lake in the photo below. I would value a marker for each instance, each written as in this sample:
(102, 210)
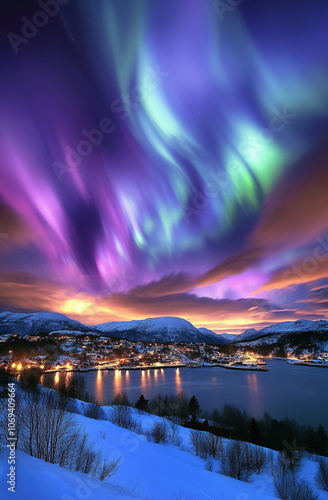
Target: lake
(299, 392)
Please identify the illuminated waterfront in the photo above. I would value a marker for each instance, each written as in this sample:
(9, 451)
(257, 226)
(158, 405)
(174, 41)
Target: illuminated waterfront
(285, 390)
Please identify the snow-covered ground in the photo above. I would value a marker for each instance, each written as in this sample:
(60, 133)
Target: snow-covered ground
(147, 471)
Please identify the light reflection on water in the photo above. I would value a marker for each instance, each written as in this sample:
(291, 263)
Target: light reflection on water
(254, 393)
(146, 379)
(285, 390)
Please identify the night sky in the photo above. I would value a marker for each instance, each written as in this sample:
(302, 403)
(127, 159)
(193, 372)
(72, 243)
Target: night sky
(165, 158)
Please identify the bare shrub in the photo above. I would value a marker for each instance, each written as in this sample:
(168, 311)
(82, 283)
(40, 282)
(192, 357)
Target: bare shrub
(209, 464)
(289, 487)
(271, 461)
(48, 431)
(175, 437)
(260, 459)
(75, 388)
(199, 443)
(159, 433)
(94, 410)
(109, 468)
(88, 460)
(287, 462)
(238, 461)
(122, 416)
(52, 434)
(321, 476)
(213, 444)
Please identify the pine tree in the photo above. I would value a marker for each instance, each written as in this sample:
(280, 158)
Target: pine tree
(194, 408)
(142, 403)
(254, 432)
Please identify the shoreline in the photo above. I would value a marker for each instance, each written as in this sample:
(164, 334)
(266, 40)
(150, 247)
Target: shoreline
(161, 367)
(260, 368)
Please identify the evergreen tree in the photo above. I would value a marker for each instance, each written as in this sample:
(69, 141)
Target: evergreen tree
(121, 400)
(194, 408)
(142, 403)
(320, 441)
(254, 432)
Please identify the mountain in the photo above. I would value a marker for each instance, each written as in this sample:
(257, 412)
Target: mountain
(163, 329)
(288, 327)
(230, 337)
(29, 323)
(221, 339)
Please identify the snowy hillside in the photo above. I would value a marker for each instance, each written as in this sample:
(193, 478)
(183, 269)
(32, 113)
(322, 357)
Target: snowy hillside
(221, 339)
(230, 337)
(300, 326)
(148, 471)
(27, 323)
(163, 329)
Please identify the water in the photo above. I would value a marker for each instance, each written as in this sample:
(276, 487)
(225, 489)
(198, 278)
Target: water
(298, 392)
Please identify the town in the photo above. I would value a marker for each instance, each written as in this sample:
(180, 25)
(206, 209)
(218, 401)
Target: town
(69, 351)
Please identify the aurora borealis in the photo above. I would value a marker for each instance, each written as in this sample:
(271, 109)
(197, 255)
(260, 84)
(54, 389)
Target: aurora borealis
(165, 158)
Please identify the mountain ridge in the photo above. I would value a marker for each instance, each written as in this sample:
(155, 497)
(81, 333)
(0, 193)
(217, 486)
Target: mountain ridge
(161, 329)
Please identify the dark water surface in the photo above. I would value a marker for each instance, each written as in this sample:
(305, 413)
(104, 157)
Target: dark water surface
(298, 392)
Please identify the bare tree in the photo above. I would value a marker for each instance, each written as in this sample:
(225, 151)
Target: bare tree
(289, 487)
(109, 468)
(94, 410)
(260, 459)
(321, 477)
(238, 461)
(50, 433)
(214, 444)
(199, 443)
(287, 462)
(121, 399)
(159, 433)
(175, 433)
(122, 416)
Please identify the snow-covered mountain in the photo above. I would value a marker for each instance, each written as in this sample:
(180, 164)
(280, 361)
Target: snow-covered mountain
(230, 337)
(221, 339)
(29, 323)
(292, 327)
(164, 329)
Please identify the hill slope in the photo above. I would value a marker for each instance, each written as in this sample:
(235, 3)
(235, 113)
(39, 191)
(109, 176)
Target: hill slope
(288, 327)
(164, 329)
(147, 471)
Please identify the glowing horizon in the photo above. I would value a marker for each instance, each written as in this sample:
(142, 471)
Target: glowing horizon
(166, 160)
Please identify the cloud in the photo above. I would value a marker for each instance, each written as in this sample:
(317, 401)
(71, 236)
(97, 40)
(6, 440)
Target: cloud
(168, 285)
(294, 215)
(311, 268)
